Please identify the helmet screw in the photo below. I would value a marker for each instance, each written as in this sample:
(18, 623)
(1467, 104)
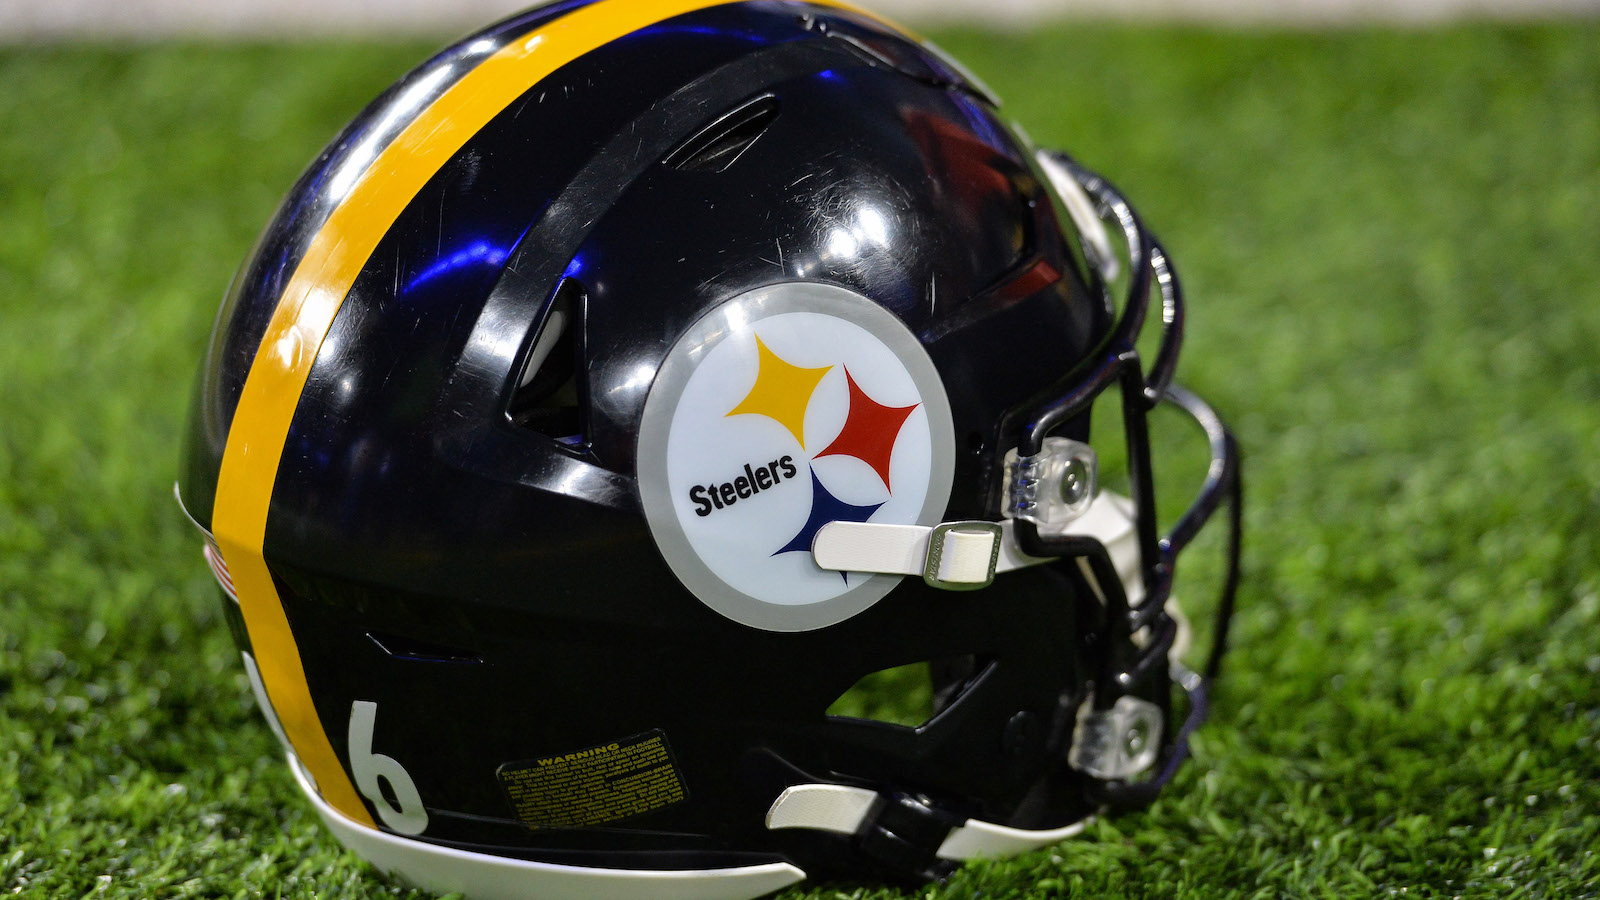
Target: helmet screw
(1135, 739)
(1021, 734)
(1075, 482)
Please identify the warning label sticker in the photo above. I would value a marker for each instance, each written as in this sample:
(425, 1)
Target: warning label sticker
(596, 785)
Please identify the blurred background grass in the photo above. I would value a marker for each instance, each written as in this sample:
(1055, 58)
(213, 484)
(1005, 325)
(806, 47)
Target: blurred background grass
(1389, 239)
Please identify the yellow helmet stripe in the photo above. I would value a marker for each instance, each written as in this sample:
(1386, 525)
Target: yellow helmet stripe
(305, 313)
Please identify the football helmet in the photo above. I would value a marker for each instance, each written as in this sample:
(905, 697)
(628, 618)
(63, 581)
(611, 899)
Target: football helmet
(636, 376)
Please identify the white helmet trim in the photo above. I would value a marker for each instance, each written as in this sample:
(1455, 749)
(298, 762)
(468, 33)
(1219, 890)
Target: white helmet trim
(481, 876)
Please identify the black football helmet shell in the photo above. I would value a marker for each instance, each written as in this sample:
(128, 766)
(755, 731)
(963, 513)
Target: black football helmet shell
(630, 380)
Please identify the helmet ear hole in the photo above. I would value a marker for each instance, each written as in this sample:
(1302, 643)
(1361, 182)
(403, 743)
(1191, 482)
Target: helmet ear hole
(909, 696)
(901, 695)
(548, 395)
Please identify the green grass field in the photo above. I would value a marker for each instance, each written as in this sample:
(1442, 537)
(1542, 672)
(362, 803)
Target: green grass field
(1391, 243)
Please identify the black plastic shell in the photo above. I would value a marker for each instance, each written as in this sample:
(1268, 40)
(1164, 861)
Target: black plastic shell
(409, 503)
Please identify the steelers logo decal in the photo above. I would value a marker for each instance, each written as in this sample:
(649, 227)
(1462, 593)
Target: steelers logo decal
(783, 410)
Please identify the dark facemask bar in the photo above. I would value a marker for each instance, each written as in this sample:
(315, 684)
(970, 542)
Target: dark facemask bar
(1124, 666)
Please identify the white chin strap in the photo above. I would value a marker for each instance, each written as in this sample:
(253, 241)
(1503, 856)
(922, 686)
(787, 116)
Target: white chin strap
(964, 556)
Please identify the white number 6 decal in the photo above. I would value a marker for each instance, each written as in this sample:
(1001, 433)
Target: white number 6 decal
(409, 817)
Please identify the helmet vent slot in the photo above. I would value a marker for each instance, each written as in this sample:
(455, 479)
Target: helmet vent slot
(721, 143)
(548, 395)
(415, 650)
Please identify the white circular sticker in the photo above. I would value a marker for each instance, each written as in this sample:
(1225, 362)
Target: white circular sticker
(785, 409)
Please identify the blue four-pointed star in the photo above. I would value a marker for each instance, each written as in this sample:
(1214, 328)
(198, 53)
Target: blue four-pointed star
(825, 508)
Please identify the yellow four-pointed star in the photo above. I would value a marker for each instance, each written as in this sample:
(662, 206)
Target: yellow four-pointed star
(782, 392)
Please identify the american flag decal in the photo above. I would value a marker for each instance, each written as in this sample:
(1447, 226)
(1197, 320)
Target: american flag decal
(219, 568)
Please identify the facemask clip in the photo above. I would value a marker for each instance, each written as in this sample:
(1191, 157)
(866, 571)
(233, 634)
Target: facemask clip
(1054, 486)
(1117, 743)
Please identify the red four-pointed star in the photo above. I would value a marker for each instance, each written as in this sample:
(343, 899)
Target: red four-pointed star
(870, 430)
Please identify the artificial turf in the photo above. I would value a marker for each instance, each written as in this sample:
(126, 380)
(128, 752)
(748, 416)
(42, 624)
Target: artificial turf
(1391, 244)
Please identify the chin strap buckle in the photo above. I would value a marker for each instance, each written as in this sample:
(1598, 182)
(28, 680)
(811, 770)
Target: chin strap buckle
(963, 556)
